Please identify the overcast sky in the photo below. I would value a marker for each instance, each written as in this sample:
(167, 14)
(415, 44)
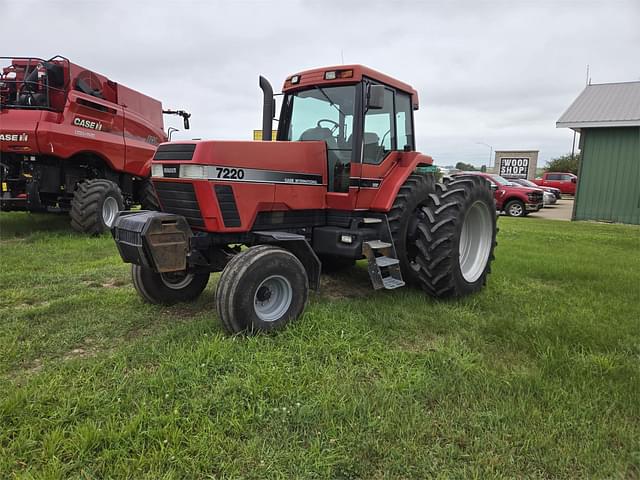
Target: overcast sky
(497, 72)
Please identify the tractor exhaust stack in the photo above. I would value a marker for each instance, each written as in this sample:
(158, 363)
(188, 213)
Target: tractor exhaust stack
(268, 108)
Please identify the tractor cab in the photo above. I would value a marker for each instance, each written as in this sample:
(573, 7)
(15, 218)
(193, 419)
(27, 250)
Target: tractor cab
(33, 83)
(362, 115)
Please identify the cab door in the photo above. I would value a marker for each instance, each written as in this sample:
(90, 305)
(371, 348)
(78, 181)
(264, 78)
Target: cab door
(387, 133)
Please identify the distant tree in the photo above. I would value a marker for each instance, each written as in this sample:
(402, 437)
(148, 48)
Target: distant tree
(483, 168)
(467, 167)
(564, 163)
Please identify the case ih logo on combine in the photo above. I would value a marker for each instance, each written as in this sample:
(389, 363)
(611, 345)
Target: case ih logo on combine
(514, 167)
(14, 137)
(83, 122)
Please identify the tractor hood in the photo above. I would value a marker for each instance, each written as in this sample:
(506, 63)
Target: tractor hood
(243, 161)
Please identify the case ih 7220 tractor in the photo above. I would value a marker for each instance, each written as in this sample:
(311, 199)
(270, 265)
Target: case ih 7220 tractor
(343, 182)
(73, 140)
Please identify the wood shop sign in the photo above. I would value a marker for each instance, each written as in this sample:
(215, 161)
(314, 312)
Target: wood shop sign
(514, 167)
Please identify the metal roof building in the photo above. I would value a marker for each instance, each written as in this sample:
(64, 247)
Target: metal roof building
(608, 119)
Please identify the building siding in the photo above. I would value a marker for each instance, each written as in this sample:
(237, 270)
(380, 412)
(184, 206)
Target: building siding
(609, 177)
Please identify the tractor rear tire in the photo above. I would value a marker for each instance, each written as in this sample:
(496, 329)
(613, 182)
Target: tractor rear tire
(456, 238)
(148, 198)
(95, 206)
(403, 220)
(167, 288)
(261, 289)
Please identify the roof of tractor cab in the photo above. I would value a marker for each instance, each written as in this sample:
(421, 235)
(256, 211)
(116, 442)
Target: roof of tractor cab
(316, 76)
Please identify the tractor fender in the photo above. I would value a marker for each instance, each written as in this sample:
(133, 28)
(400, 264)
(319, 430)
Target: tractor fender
(396, 177)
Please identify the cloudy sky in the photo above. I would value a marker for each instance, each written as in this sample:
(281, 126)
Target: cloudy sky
(497, 72)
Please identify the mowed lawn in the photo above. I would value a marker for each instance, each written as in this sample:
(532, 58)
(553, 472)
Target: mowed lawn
(536, 377)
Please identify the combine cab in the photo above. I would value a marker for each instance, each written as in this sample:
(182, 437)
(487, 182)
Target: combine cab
(342, 182)
(72, 140)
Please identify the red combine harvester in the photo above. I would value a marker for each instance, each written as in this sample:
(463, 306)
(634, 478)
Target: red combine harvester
(343, 182)
(73, 140)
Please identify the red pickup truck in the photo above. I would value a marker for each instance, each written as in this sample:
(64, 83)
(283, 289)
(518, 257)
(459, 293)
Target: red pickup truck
(564, 181)
(514, 200)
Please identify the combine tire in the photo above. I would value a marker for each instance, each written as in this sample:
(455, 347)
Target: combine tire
(95, 205)
(148, 198)
(261, 290)
(455, 238)
(167, 288)
(515, 208)
(403, 221)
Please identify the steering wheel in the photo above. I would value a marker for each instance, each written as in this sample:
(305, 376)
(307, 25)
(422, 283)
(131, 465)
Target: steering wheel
(335, 124)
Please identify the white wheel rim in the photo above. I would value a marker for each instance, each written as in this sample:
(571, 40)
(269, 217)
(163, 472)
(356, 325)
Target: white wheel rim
(177, 280)
(109, 211)
(475, 241)
(273, 298)
(515, 210)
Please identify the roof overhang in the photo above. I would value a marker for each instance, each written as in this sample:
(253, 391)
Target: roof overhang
(617, 123)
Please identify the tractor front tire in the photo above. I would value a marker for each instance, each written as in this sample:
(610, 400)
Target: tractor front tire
(148, 198)
(261, 289)
(403, 221)
(167, 288)
(456, 237)
(95, 205)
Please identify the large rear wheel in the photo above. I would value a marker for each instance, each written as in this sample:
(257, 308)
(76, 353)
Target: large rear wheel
(95, 205)
(404, 218)
(148, 198)
(455, 238)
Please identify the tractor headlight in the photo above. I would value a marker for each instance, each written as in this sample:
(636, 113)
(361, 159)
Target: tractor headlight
(156, 170)
(192, 171)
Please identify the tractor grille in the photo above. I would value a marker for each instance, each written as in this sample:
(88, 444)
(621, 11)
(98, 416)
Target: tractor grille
(175, 151)
(228, 207)
(180, 199)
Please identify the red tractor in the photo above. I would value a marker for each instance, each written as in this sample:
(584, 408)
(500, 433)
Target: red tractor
(343, 182)
(72, 140)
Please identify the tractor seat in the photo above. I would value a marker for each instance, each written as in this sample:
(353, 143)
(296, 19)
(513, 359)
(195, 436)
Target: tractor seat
(371, 146)
(323, 134)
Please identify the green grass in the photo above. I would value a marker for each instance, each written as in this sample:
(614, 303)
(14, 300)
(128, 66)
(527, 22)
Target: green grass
(538, 376)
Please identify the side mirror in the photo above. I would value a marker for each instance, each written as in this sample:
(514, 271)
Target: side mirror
(375, 99)
(574, 180)
(186, 123)
(494, 187)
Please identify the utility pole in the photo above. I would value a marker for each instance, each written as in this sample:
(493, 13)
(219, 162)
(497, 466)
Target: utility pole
(490, 152)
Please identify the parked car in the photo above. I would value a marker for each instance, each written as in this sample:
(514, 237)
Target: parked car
(515, 201)
(547, 197)
(528, 183)
(564, 181)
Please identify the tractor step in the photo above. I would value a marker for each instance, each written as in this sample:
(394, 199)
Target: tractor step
(378, 244)
(390, 283)
(383, 266)
(386, 261)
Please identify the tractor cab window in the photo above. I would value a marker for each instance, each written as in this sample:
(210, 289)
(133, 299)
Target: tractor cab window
(404, 121)
(379, 136)
(326, 114)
